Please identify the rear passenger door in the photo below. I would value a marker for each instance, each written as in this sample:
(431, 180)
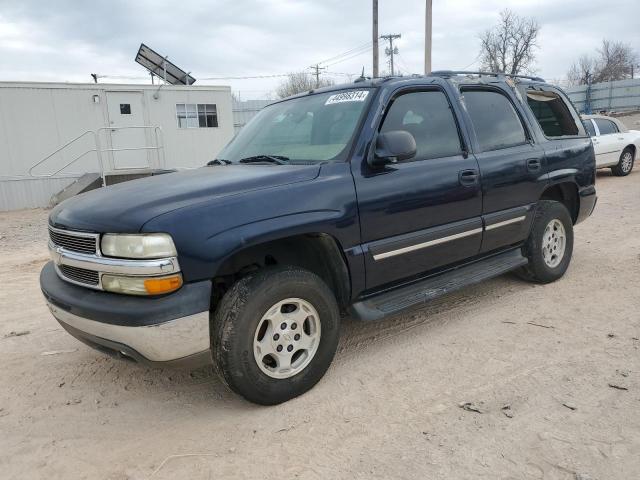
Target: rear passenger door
(511, 165)
(608, 143)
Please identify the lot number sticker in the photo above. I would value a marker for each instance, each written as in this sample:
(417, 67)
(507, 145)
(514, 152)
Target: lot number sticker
(350, 96)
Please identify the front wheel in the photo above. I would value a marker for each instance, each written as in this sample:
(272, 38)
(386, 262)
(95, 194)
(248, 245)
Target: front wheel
(550, 243)
(274, 334)
(625, 165)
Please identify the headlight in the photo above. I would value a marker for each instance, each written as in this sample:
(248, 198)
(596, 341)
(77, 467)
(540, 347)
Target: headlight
(141, 285)
(148, 245)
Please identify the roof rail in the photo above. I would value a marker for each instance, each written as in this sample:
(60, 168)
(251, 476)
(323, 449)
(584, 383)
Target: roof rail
(450, 73)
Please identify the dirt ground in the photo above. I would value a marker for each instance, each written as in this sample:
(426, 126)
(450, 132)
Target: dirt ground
(554, 371)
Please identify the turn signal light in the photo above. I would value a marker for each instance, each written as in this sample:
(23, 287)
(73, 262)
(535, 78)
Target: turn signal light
(158, 286)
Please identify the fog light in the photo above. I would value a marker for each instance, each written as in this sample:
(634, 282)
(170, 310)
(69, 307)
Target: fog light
(141, 285)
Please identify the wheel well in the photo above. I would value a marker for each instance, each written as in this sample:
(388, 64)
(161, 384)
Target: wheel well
(565, 193)
(632, 147)
(317, 252)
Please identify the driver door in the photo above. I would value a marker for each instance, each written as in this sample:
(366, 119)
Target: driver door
(423, 213)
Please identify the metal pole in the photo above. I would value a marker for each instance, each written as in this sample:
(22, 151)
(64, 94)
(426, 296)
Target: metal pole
(428, 37)
(164, 66)
(375, 38)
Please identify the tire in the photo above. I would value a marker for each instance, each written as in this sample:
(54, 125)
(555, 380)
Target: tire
(257, 300)
(625, 165)
(542, 266)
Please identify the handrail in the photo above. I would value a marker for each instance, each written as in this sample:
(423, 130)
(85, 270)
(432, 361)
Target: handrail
(57, 151)
(159, 147)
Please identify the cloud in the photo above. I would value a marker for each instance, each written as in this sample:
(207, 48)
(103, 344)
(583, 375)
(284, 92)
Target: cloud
(67, 40)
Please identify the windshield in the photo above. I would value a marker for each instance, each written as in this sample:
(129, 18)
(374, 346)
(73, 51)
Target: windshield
(313, 128)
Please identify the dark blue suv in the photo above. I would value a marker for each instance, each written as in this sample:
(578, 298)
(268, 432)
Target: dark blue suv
(365, 199)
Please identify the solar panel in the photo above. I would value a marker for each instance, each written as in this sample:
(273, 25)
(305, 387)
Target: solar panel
(157, 65)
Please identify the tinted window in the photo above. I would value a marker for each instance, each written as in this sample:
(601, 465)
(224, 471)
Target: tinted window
(494, 119)
(311, 128)
(588, 125)
(552, 113)
(606, 126)
(428, 117)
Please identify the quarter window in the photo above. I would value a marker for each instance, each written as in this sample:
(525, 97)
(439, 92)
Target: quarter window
(552, 113)
(428, 117)
(606, 126)
(495, 120)
(196, 115)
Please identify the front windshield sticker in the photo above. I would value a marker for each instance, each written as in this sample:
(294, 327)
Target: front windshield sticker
(350, 96)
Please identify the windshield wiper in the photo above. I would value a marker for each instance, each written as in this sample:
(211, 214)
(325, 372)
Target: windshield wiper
(219, 161)
(277, 159)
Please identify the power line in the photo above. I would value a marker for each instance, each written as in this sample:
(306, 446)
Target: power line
(354, 55)
(335, 57)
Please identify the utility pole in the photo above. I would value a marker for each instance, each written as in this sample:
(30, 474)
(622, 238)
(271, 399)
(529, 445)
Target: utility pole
(317, 69)
(391, 50)
(428, 37)
(375, 38)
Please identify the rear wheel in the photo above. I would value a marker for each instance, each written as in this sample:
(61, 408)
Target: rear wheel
(625, 165)
(274, 334)
(550, 243)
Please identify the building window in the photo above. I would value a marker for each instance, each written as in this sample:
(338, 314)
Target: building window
(196, 115)
(125, 109)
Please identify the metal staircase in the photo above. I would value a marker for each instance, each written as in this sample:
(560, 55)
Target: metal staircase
(108, 173)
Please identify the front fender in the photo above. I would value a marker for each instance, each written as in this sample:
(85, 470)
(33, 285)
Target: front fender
(206, 235)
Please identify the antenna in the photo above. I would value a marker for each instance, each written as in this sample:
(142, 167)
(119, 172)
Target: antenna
(161, 67)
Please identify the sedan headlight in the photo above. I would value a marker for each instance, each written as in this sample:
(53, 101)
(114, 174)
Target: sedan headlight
(146, 245)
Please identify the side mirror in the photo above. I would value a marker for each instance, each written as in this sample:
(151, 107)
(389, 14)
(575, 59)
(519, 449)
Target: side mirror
(393, 146)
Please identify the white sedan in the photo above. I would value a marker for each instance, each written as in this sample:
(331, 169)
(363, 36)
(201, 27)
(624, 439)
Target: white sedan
(615, 145)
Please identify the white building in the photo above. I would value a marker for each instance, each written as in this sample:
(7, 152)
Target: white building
(68, 130)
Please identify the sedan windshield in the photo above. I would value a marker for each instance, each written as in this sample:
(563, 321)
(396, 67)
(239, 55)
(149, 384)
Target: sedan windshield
(313, 128)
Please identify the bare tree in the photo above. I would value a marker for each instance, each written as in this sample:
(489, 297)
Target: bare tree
(581, 71)
(299, 82)
(509, 46)
(614, 61)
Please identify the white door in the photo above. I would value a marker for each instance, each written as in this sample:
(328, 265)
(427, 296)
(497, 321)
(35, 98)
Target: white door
(608, 143)
(125, 111)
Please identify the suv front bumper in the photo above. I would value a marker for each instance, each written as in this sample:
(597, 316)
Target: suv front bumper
(166, 330)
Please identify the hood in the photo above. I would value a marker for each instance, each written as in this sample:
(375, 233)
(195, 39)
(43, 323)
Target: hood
(127, 206)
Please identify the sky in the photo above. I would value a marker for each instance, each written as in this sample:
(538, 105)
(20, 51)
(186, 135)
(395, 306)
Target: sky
(66, 40)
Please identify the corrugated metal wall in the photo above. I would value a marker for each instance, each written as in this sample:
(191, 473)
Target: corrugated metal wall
(30, 192)
(619, 96)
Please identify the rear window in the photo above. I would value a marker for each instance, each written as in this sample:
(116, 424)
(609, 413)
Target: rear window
(606, 126)
(495, 121)
(553, 115)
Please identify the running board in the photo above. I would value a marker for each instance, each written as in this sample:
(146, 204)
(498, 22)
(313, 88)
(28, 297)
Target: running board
(417, 294)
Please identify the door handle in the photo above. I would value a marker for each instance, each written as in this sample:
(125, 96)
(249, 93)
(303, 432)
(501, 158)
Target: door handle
(468, 177)
(533, 164)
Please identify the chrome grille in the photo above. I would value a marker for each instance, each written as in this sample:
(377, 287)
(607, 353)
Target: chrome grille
(76, 242)
(80, 275)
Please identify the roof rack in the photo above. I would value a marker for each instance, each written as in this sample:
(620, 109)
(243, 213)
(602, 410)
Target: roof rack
(450, 73)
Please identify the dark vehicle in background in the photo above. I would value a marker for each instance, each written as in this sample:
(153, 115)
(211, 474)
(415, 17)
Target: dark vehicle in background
(366, 199)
